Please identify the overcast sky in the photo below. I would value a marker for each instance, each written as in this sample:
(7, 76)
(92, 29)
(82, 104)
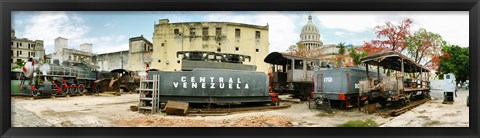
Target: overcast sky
(109, 31)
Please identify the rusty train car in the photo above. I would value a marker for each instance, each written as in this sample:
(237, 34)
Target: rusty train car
(398, 88)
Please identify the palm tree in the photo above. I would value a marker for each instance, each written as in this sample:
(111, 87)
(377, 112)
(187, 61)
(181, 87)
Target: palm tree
(342, 48)
(357, 56)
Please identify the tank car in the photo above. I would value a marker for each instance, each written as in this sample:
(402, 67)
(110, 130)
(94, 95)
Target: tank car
(338, 87)
(209, 77)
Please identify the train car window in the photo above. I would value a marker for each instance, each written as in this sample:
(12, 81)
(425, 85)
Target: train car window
(309, 65)
(298, 64)
(289, 64)
(447, 77)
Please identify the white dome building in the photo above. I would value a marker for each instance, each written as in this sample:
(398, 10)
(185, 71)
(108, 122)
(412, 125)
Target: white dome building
(310, 36)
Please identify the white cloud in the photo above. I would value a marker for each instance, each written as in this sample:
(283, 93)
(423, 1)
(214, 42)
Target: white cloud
(452, 25)
(339, 33)
(47, 26)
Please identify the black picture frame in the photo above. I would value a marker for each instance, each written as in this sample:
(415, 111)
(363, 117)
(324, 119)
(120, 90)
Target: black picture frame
(7, 6)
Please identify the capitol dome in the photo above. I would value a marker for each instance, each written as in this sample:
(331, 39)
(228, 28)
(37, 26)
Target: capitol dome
(310, 36)
(310, 27)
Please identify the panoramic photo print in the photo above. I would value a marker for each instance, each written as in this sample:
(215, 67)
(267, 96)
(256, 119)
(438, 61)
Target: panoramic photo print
(240, 69)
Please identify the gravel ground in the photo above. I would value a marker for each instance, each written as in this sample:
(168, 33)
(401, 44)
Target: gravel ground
(113, 111)
(435, 114)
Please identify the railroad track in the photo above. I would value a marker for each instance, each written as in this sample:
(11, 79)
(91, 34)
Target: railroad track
(221, 111)
(408, 107)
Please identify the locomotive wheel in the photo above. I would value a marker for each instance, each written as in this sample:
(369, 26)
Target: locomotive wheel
(54, 91)
(81, 88)
(35, 93)
(64, 90)
(73, 90)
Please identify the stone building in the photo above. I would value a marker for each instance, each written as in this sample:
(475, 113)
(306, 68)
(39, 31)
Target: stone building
(222, 37)
(23, 48)
(310, 36)
(140, 52)
(63, 53)
(113, 60)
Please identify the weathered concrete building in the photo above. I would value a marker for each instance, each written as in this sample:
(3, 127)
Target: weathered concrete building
(63, 53)
(140, 52)
(23, 48)
(113, 60)
(223, 37)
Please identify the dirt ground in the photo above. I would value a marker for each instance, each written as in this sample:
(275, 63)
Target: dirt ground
(436, 114)
(114, 111)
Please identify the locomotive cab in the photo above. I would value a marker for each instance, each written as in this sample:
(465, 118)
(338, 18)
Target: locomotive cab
(292, 74)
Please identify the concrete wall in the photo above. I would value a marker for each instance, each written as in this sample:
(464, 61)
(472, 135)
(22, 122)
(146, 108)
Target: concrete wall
(166, 43)
(111, 61)
(140, 51)
(86, 47)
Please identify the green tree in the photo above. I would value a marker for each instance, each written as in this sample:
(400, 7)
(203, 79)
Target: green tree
(423, 46)
(18, 64)
(455, 60)
(341, 48)
(357, 56)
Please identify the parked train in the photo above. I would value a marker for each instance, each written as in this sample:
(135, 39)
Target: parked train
(213, 78)
(53, 79)
(397, 88)
(354, 86)
(338, 87)
(294, 74)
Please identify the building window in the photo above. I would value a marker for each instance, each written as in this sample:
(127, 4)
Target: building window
(176, 31)
(205, 31)
(20, 44)
(178, 61)
(20, 52)
(159, 61)
(12, 52)
(237, 32)
(236, 48)
(257, 34)
(12, 43)
(219, 43)
(17, 44)
(256, 50)
(192, 31)
(163, 44)
(17, 53)
(219, 50)
(18, 60)
(218, 31)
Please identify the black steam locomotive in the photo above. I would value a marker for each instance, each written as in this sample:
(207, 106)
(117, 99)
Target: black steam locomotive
(56, 79)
